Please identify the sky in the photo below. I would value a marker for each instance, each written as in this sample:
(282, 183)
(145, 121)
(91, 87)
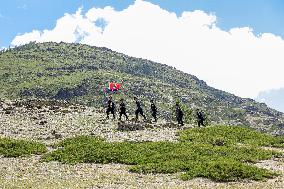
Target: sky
(236, 46)
(273, 97)
(20, 16)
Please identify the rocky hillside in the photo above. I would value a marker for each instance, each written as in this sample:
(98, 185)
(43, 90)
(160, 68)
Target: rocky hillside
(32, 131)
(78, 73)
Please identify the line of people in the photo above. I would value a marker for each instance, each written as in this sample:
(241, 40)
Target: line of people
(122, 109)
(139, 110)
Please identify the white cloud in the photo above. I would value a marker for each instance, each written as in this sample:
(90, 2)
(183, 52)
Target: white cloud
(27, 37)
(236, 61)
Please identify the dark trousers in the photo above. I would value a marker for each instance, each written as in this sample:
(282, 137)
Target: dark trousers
(139, 111)
(154, 114)
(123, 112)
(200, 122)
(179, 120)
(110, 110)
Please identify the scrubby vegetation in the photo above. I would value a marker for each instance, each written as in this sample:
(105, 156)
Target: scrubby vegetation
(228, 136)
(16, 148)
(78, 73)
(218, 153)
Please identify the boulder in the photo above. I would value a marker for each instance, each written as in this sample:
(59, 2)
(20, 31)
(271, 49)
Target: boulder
(42, 122)
(130, 126)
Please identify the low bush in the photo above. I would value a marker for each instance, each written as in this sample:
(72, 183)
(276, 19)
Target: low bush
(200, 153)
(15, 148)
(230, 135)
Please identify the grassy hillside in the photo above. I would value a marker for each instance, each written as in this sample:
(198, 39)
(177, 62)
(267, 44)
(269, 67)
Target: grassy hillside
(78, 73)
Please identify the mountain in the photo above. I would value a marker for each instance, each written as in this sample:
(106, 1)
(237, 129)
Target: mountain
(78, 73)
(273, 98)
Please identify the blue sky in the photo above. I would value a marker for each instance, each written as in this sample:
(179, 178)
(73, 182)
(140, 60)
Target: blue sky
(20, 16)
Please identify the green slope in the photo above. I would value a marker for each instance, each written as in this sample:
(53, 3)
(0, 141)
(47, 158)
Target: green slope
(77, 73)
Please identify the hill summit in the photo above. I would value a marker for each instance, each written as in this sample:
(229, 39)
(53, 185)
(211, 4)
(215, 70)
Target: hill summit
(78, 73)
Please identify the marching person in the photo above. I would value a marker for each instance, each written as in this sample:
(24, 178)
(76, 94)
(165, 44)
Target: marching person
(154, 110)
(122, 109)
(179, 114)
(139, 109)
(200, 118)
(110, 107)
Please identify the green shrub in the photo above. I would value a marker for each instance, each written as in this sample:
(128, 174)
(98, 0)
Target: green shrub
(227, 170)
(229, 135)
(15, 148)
(195, 155)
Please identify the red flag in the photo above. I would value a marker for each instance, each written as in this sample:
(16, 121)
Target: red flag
(117, 86)
(111, 86)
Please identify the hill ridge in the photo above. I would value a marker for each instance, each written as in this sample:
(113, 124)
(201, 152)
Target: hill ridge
(77, 73)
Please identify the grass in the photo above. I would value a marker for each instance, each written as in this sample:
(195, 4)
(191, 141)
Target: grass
(18, 148)
(219, 153)
(222, 135)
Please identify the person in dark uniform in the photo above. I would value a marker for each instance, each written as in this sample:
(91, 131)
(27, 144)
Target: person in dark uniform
(154, 110)
(139, 109)
(122, 110)
(110, 107)
(179, 114)
(200, 118)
